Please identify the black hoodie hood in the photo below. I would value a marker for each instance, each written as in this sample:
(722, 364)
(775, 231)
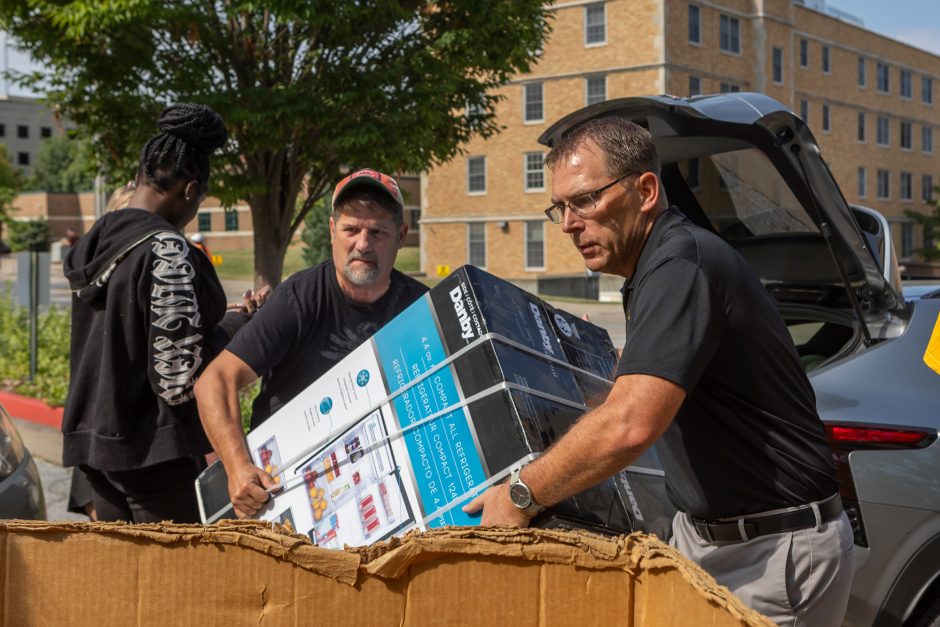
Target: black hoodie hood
(90, 263)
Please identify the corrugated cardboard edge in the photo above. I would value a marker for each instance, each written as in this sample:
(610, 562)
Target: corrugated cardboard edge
(393, 558)
(253, 535)
(631, 553)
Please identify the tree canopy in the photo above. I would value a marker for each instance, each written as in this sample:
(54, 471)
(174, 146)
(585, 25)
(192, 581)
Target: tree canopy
(306, 89)
(63, 164)
(10, 184)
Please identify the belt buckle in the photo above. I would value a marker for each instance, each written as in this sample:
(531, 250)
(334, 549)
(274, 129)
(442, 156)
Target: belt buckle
(701, 528)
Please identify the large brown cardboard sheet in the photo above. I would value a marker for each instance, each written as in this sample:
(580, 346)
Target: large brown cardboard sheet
(252, 573)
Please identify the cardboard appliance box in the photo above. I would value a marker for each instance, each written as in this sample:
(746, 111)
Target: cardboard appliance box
(250, 573)
(471, 380)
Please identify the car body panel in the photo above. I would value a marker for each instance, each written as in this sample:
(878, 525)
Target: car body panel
(888, 383)
(21, 494)
(901, 532)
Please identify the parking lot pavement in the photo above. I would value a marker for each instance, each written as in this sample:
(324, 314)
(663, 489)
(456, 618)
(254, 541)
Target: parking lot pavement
(45, 445)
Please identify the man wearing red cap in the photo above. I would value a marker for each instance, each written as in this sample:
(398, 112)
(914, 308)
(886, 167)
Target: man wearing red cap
(309, 323)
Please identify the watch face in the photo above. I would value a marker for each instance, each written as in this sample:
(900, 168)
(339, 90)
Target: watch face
(520, 495)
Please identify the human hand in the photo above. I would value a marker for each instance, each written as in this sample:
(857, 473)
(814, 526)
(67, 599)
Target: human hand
(251, 300)
(250, 488)
(497, 508)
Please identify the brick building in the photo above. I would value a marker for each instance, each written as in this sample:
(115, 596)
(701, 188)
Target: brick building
(870, 100)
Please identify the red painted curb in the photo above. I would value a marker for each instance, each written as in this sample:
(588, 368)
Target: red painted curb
(31, 409)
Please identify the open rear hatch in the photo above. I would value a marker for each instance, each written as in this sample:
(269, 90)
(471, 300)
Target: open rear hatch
(746, 167)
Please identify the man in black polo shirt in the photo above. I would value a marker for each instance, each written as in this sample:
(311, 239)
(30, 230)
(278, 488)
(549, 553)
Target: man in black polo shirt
(710, 373)
(309, 323)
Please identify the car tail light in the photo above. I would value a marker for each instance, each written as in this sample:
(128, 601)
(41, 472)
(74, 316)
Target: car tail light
(845, 438)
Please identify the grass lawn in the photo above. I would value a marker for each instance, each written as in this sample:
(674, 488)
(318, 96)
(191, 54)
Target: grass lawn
(239, 265)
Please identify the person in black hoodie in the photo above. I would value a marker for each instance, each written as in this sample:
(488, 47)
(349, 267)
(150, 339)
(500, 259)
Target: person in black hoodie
(147, 315)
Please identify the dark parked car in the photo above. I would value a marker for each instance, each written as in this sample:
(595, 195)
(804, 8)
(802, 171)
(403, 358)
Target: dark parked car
(747, 168)
(20, 490)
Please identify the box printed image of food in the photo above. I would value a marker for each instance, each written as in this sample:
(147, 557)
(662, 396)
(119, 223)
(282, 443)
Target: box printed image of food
(268, 457)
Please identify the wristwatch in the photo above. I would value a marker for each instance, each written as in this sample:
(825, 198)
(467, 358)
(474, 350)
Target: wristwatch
(521, 495)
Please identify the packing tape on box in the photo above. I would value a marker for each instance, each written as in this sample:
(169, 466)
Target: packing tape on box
(387, 400)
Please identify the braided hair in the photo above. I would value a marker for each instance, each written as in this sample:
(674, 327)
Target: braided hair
(189, 133)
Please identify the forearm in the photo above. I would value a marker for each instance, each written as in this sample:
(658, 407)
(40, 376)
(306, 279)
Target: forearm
(219, 411)
(606, 440)
(595, 448)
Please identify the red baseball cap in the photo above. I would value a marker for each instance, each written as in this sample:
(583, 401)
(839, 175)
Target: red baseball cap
(371, 178)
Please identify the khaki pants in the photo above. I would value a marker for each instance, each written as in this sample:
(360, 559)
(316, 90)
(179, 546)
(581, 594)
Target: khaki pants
(795, 578)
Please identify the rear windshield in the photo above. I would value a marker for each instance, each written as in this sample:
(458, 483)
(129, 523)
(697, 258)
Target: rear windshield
(744, 196)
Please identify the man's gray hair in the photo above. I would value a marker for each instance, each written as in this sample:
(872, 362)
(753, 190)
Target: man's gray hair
(627, 146)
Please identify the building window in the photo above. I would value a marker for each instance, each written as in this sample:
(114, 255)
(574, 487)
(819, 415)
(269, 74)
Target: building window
(231, 220)
(727, 88)
(778, 65)
(595, 89)
(804, 53)
(862, 182)
(926, 188)
(476, 175)
(926, 139)
(205, 221)
(535, 245)
(45, 132)
(534, 172)
(906, 191)
(474, 110)
(883, 135)
(695, 25)
(884, 82)
(861, 72)
(907, 239)
(825, 59)
(861, 127)
(22, 158)
(926, 90)
(22, 131)
(804, 111)
(534, 102)
(825, 118)
(414, 217)
(3, 130)
(906, 141)
(695, 86)
(928, 241)
(729, 34)
(476, 244)
(595, 24)
(907, 90)
(693, 177)
(884, 184)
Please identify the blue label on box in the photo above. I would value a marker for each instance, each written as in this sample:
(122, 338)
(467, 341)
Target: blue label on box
(443, 454)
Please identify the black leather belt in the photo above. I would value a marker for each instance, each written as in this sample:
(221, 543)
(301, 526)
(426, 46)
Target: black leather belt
(754, 525)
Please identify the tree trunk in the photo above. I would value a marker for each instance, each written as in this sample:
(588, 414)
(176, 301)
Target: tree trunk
(270, 243)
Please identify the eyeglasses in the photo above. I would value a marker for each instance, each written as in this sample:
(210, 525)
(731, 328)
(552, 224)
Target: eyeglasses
(583, 205)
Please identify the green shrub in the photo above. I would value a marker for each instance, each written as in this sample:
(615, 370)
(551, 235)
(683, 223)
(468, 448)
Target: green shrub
(28, 235)
(52, 369)
(246, 396)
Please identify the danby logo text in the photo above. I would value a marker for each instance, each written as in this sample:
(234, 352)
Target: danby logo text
(466, 331)
(546, 341)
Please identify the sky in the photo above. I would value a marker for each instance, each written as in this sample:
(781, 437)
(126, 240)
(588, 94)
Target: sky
(914, 22)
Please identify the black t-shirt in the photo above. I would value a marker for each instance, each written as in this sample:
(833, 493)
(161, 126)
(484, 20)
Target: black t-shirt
(748, 438)
(308, 325)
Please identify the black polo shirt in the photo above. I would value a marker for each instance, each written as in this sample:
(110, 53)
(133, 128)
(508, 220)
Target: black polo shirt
(306, 327)
(748, 438)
